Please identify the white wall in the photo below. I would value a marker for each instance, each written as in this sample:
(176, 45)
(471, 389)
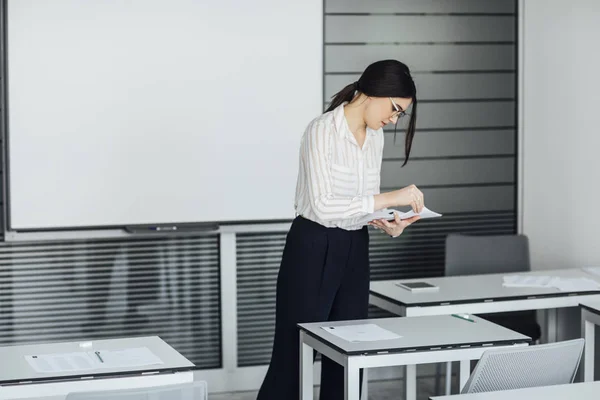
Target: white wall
(560, 131)
(559, 137)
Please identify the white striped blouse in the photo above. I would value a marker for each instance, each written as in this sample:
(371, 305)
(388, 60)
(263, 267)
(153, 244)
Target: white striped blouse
(337, 180)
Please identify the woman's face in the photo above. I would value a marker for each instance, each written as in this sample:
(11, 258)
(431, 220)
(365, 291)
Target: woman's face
(381, 111)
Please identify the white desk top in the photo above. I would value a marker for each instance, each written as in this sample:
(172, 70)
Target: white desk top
(14, 368)
(472, 288)
(420, 333)
(574, 391)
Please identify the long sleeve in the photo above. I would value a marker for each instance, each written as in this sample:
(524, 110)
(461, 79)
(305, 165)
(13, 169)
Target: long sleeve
(315, 156)
(379, 163)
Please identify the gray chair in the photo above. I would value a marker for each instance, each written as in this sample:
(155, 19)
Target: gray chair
(470, 255)
(524, 367)
(186, 391)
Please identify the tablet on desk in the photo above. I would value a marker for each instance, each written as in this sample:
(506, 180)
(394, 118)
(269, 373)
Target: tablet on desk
(418, 287)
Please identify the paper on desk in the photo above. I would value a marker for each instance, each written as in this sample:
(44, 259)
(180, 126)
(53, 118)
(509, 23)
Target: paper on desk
(134, 357)
(63, 362)
(575, 284)
(541, 281)
(361, 333)
(84, 361)
(527, 281)
(388, 214)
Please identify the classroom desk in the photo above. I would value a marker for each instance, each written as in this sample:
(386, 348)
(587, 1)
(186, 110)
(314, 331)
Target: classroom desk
(18, 380)
(429, 339)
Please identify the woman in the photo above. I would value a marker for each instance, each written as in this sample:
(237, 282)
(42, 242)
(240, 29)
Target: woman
(324, 272)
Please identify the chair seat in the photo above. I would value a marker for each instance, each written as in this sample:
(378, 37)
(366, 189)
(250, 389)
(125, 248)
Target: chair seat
(523, 322)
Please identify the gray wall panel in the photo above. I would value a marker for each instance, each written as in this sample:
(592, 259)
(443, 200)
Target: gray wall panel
(434, 57)
(418, 29)
(452, 86)
(419, 6)
(461, 115)
(471, 199)
(444, 172)
(452, 143)
(464, 115)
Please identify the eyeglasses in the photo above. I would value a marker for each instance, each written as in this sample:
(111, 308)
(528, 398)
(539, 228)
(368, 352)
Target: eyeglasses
(397, 112)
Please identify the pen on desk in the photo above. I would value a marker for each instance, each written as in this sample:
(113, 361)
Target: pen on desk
(99, 358)
(465, 317)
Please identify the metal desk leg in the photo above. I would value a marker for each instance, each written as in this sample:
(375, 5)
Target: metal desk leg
(410, 380)
(551, 325)
(589, 353)
(365, 385)
(351, 381)
(465, 372)
(448, 378)
(306, 370)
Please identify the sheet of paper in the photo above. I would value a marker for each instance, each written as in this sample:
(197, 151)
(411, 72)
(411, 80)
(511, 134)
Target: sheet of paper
(134, 357)
(575, 284)
(64, 362)
(388, 213)
(361, 333)
(527, 281)
(381, 214)
(96, 359)
(562, 284)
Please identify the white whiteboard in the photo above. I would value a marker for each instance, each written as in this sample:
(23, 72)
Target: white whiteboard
(153, 111)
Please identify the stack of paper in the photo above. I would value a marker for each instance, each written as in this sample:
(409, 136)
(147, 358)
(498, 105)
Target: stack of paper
(361, 333)
(388, 214)
(541, 281)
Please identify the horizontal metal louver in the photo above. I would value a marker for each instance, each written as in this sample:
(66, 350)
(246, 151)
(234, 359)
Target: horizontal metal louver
(258, 260)
(71, 291)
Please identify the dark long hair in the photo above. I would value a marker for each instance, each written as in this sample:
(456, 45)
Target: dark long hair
(386, 78)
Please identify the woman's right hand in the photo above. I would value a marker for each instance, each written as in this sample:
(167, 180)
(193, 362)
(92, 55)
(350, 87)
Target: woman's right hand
(409, 196)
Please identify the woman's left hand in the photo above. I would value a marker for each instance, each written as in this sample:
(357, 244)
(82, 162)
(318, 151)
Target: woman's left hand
(396, 227)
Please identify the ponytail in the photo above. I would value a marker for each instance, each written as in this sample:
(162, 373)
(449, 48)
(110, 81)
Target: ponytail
(344, 95)
(410, 131)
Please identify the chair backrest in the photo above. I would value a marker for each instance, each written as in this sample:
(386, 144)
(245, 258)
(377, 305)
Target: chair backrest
(187, 391)
(524, 367)
(470, 255)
